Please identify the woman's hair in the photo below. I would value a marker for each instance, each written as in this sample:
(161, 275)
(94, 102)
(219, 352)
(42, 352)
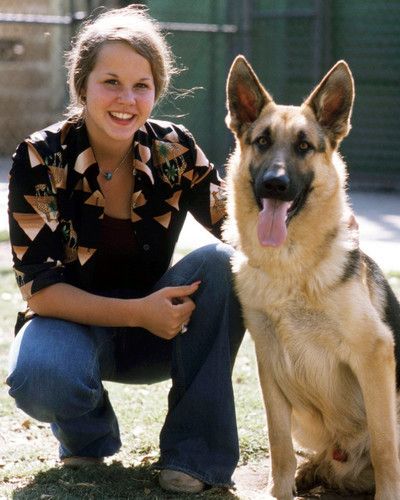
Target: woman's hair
(131, 25)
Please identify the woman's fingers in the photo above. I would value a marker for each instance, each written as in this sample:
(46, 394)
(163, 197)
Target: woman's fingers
(169, 309)
(179, 293)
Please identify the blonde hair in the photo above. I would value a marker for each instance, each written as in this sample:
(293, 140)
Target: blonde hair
(131, 25)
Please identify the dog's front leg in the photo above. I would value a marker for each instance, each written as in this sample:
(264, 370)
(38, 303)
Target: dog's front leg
(375, 369)
(283, 461)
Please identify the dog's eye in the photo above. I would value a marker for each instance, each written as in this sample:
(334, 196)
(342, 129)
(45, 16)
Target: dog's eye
(303, 147)
(262, 142)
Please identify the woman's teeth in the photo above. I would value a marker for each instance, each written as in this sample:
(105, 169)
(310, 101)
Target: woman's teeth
(122, 116)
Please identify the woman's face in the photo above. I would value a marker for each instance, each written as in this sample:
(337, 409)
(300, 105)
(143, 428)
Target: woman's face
(119, 94)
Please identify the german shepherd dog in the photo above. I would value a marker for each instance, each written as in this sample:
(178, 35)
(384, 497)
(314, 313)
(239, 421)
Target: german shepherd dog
(324, 320)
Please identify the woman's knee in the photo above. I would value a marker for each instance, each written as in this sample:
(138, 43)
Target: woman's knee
(213, 261)
(45, 382)
(47, 393)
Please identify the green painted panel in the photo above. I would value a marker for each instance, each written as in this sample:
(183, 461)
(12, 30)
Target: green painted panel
(205, 57)
(290, 51)
(367, 34)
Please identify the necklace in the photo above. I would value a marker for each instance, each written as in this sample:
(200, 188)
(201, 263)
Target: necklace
(107, 174)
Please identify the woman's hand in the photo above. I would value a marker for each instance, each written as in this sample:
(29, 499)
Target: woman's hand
(166, 311)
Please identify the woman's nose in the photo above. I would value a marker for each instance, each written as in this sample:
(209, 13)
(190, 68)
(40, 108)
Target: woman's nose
(127, 96)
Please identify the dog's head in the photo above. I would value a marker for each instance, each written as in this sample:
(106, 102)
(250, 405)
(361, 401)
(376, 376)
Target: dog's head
(286, 147)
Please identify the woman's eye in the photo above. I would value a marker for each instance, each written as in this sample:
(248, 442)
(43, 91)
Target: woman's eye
(111, 82)
(144, 86)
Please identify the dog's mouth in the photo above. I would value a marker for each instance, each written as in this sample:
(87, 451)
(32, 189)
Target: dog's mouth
(275, 216)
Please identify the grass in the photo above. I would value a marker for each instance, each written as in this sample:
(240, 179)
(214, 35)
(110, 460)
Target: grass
(4, 236)
(28, 451)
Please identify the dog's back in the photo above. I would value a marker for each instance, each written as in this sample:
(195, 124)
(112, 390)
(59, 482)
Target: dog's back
(387, 305)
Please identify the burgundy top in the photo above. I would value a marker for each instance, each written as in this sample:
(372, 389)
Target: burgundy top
(116, 258)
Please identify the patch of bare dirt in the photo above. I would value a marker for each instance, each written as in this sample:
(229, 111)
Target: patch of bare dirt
(251, 480)
(251, 484)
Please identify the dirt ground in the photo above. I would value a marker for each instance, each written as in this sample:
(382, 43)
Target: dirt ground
(251, 483)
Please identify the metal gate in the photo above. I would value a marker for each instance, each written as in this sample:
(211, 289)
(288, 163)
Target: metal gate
(33, 38)
(222, 30)
(290, 43)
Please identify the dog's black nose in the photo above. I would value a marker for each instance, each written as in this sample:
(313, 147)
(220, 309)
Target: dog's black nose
(275, 183)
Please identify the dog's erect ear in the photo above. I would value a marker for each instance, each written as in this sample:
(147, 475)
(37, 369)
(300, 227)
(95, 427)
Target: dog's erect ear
(332, 101)
(246, 97)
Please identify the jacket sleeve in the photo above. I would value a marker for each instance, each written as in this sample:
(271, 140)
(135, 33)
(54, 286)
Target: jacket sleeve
(207, 201)
(35, 236)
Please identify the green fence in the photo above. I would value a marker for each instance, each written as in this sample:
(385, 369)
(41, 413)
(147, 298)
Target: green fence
(290, 43)
(203, 39)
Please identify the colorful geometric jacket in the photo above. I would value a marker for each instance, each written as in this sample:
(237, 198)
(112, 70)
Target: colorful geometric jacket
(56, 204)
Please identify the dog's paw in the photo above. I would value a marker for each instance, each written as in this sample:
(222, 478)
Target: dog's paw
(281, 491)
(307, 477)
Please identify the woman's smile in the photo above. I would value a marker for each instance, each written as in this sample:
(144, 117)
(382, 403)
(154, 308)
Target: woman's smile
(123, 119)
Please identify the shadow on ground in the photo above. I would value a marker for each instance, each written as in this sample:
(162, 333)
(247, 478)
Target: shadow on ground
(114, 481)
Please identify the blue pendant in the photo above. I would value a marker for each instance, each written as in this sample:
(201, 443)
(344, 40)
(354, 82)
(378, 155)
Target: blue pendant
(107, 176)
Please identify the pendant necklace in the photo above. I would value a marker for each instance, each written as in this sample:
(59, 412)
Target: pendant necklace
(107, 174)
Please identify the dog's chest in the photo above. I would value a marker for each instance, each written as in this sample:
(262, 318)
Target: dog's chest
(305, 365)
(302, 348)
(305, 360)
(302, 342)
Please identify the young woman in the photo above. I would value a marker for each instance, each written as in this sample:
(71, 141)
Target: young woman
(96, 206)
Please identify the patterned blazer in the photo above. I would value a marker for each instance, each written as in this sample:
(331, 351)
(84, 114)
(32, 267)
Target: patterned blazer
(56, 204)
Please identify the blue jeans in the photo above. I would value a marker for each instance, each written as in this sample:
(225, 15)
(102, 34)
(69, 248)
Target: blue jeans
(57, 368)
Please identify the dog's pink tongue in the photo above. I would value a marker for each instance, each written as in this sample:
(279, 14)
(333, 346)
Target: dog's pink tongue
(271, 228)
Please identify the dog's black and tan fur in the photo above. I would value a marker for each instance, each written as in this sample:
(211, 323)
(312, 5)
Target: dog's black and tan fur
(322, 316)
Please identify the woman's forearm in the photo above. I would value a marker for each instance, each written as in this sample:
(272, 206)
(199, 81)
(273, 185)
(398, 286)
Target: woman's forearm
(163, 312)
(73, 304)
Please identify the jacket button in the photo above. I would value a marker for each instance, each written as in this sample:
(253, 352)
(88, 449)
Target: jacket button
(146, 247)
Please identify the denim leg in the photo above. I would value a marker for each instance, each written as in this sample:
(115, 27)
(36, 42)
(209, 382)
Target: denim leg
(56, 369)
(199, 436)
